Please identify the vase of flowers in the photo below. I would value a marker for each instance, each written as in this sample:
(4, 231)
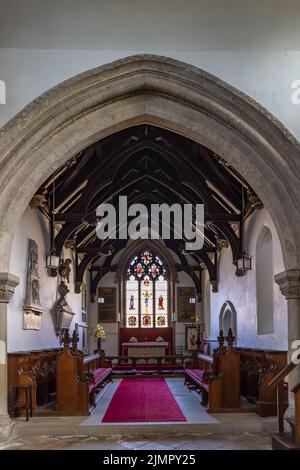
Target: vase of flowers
(99, 335)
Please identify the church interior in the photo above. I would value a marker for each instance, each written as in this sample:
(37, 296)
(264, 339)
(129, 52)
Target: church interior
(138, 342)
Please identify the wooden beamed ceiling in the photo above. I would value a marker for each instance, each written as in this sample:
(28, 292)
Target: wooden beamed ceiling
(148, 165)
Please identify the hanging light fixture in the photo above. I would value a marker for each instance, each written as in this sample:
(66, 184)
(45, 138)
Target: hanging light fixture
(244, 263)
(52, 259)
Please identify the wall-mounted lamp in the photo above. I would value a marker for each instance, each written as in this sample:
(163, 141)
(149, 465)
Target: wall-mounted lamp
(244, 263)
(101, 300)
(52, 260)
(192, 300)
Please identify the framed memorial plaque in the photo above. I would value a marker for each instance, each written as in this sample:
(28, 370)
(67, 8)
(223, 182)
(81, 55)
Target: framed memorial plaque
(191, 336)
(107, 306)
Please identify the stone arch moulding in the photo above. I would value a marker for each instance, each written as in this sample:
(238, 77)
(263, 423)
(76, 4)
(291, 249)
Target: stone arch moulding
(159, 91)
(227, 310)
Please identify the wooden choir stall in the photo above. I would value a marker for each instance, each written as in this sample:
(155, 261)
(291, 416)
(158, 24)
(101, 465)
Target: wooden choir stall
(79, 378)
(236, 378)
(60, 381)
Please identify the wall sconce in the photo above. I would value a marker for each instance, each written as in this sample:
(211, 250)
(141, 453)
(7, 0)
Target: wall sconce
(244, 264)
(192, 300)
(52, 263)
(101, 300)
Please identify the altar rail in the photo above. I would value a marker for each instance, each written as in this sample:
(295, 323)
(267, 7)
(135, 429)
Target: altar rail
(153, 364)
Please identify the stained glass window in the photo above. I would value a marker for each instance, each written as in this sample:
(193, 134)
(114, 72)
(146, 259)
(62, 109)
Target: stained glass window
(146, 291)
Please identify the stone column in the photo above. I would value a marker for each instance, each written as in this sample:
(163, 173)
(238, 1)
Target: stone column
(289, 283)
(8, 283)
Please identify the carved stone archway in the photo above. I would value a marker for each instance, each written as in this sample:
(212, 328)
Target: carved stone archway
(166, 93)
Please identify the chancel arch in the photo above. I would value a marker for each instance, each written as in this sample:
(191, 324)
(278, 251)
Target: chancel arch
(228, 148)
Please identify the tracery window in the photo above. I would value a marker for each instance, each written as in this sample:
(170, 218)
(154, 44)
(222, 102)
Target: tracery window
(146, 291)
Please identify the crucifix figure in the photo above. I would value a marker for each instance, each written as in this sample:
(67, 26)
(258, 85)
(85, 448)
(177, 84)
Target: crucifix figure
(147, 295)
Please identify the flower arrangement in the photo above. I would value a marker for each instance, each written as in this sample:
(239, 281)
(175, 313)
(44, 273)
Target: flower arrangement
(99, 334)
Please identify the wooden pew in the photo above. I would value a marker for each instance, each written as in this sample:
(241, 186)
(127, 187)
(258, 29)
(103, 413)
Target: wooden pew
(34, 368)
(79, 378)
(258, 368)
(218, 376)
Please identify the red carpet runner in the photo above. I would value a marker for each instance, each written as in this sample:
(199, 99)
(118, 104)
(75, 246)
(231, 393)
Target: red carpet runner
(142, 400)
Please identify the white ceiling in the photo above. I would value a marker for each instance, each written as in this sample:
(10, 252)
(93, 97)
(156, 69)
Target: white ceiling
(174, 25)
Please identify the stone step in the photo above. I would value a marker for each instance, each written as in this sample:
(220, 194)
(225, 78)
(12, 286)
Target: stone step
(291, 420)
(283, 441)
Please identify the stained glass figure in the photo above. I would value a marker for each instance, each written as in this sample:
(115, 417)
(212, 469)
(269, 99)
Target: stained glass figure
(132, 321)
(131, 302)
(161, 321)
(146, 296)
(160, 302)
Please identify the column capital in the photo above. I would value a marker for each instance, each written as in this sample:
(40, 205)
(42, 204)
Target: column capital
(8, 283)
(289, 283)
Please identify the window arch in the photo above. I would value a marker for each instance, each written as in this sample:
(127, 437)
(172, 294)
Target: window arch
(264, 282)
(227, 318)
(146, 291)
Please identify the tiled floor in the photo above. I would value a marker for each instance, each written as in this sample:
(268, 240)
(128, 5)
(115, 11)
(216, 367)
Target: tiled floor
(188, 403)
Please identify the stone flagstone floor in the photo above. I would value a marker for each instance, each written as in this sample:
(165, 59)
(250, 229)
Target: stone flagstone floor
(208, 441)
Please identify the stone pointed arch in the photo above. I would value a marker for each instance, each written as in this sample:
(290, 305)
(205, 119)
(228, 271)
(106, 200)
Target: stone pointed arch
(228, 318)
(159, 91)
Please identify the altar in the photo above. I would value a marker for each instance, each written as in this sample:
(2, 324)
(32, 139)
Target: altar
(146, 348)
(146, 341)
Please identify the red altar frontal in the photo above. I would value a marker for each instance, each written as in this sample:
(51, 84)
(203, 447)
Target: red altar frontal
(146, 344)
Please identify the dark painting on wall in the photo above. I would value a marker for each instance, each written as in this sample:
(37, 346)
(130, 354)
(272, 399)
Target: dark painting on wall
(107, 306)
(185, 309)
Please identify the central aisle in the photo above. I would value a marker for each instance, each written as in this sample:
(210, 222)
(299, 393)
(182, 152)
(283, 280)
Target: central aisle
(143, 400)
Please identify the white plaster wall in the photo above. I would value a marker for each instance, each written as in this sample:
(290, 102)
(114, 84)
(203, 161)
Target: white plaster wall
(33, 225)
(241, 291)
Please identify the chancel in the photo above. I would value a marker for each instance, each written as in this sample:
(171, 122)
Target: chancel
(140, 332)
